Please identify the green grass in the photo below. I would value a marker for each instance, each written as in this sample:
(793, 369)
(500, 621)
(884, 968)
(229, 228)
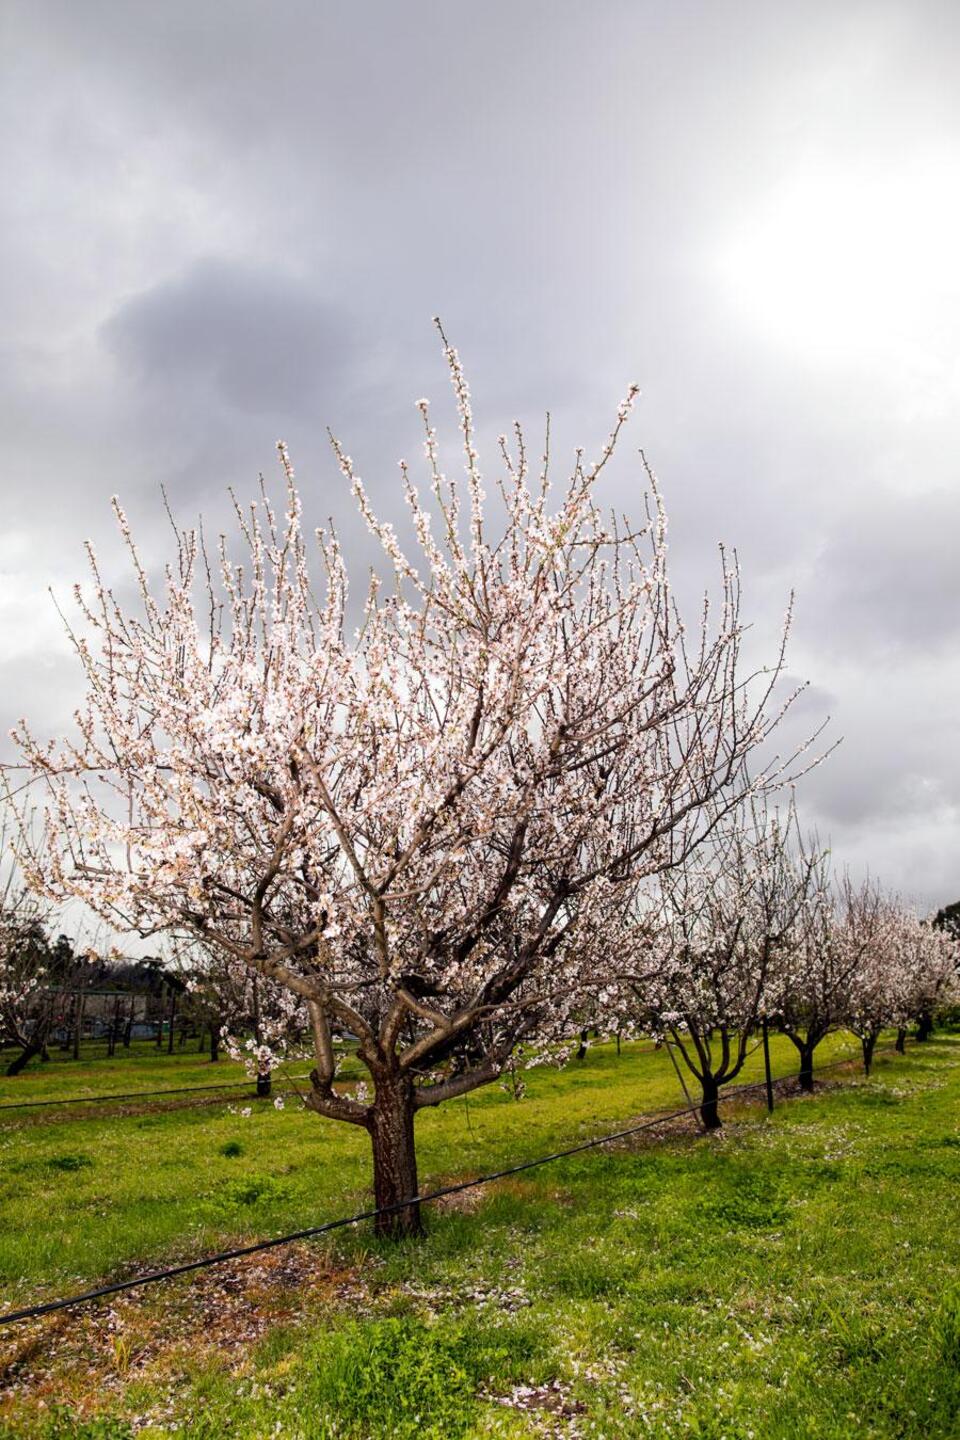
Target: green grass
(143, 1067)
(797, 1278)
(121, 1191)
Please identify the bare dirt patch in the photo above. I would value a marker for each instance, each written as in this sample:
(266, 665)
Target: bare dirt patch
(77, 1356)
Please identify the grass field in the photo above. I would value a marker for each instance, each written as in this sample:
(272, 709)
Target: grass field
(796, 1276)
(96, 1072)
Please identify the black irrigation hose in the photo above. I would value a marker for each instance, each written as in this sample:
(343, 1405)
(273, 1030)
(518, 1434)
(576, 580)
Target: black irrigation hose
(32, 1311)
(131, 1095)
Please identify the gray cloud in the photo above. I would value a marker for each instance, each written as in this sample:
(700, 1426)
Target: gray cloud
(229, 222)
(262, 342)
(888, 579)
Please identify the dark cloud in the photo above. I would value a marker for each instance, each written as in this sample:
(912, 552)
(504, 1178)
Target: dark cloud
(888, 579)
(232, 221)
(261, 341)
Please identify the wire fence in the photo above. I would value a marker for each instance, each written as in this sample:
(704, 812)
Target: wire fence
(152, 1277)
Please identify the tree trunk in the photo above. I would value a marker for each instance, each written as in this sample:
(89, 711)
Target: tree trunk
(806, 1067)
(114, 1030)
(78, 1024)
(582, 1048)
(901, 1046)
(709, 1111)
(214, 1042)
(866, 1044)
(21, 1061)
(925, 1026)
(394, 1158)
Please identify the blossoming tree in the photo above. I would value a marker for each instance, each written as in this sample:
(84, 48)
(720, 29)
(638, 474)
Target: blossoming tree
(878, 934)
(25, 1006)
(832, 966)
(722, 931)
(423, 832)
(931, 959)
(34, 971)
(254, 1017)
(907, 969)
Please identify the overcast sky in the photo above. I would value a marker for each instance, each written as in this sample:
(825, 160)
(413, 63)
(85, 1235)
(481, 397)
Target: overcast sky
(228, 222)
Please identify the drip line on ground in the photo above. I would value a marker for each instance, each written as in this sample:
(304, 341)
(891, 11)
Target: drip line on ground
(30, 1312)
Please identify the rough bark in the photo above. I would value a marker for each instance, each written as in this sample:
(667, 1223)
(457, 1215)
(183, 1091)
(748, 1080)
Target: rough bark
(867, 1043)
(390, 1124)
(806, 1046)
(709, 1107)
(806, 1067)
(901, 1046)
(21, 1061)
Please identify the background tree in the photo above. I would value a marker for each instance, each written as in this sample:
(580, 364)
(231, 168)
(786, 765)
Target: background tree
(421, 832)
(32, 970)
(815, 993)
(934, 973)
(26, 994)
(239, 1007)
(948, 918)
(217, 995)
(37, 976)
(724, 928)
(877, 930)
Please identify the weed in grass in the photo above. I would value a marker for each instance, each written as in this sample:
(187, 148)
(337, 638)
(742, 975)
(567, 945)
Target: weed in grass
(62, 1423)
(72, 1161)
(256, 1190)
(396, 1378)
(946, 1328)
(748, 1199)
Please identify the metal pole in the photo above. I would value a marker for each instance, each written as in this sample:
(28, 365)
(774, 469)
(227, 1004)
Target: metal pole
(766, 1065)
(683, 1085)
